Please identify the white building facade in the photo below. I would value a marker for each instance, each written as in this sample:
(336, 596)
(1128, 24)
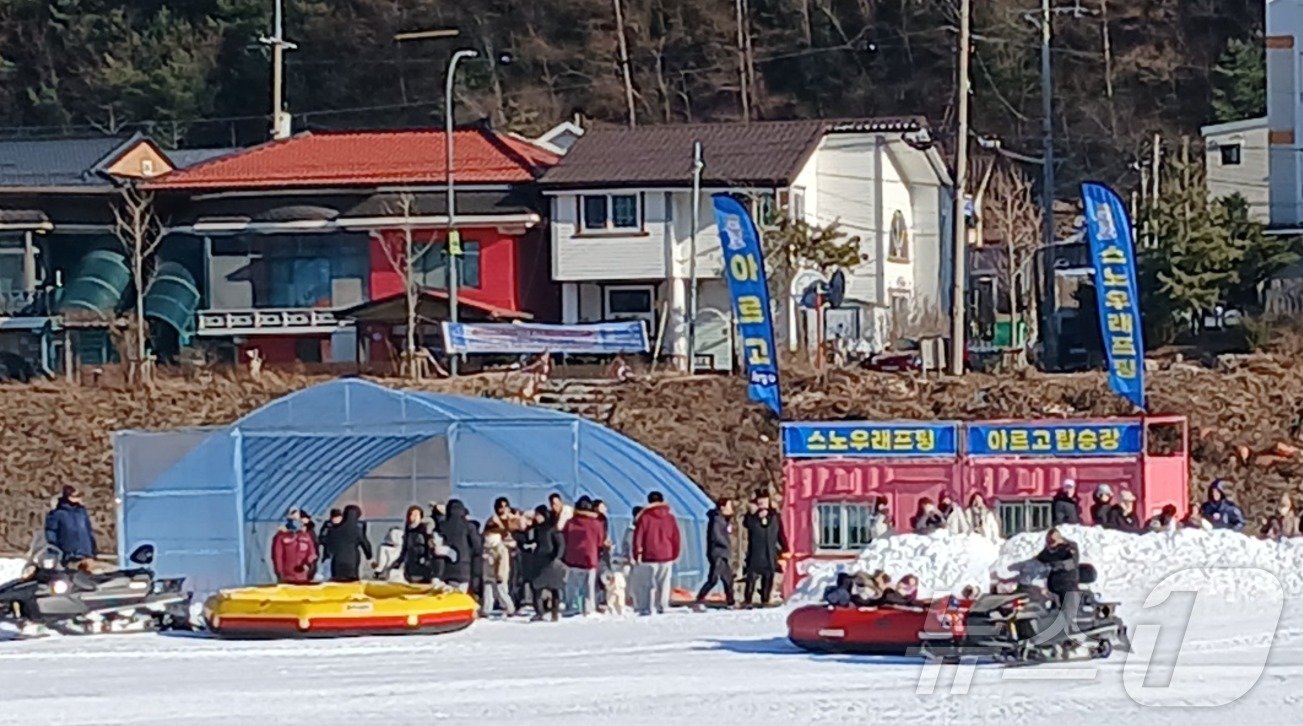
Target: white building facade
(1237, 162)
(621, 222)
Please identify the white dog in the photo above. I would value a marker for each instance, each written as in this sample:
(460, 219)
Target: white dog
(616, 582)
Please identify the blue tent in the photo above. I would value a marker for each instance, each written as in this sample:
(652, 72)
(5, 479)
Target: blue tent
(210, 500)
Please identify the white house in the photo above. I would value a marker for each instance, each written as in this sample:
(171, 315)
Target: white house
(1237, 163)
(621, 211)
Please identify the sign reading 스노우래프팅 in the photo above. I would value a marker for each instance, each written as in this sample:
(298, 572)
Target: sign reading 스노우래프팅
(1103, 438)
(744, 266)
(1116, 290)
(870, 439)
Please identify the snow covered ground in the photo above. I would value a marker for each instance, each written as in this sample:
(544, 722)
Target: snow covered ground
(717, 668)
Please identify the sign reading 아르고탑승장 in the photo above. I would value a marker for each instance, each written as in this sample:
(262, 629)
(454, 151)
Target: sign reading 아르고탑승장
(744, 266)
(1116, 290)
(1103, 438)
(870, 439)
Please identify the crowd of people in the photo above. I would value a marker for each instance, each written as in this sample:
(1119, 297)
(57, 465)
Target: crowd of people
(556, 557)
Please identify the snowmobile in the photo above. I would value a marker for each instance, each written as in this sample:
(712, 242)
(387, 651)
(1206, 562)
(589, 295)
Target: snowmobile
(1027, 626)
(50, 599)
(1023, 626)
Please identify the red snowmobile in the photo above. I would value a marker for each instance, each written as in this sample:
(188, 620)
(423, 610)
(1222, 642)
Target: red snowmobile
(1024, 626)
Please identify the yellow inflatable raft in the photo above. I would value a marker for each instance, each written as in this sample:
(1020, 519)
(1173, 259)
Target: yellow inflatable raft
(337, 609)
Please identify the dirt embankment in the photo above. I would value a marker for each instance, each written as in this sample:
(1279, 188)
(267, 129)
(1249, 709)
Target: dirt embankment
(1244, 424)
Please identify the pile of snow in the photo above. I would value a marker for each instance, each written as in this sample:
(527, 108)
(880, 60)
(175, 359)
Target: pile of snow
(943, 563)
(1131, 566)
(1128, 566)
(11, 568)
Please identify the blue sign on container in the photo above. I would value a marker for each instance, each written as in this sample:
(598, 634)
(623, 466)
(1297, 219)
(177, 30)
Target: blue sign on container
(1123, 438)
(870, 439)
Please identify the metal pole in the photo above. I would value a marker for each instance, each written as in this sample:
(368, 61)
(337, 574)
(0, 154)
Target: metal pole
(454, 237)
(1049, 335)
(279, 129)
(697, 166)
(958, 302)
(623, 45)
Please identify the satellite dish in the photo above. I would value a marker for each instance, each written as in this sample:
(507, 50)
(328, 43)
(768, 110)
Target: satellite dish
(810, 295)
(837, 289)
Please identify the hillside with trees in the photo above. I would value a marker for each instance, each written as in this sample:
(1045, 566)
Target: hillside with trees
(196, 74)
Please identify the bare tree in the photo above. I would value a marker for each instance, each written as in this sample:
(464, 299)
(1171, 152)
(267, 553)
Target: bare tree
(403, 259)
(1010, 210)
(140, 232)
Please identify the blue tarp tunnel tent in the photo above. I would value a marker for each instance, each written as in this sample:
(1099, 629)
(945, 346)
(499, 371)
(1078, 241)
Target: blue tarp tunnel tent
(210, 500)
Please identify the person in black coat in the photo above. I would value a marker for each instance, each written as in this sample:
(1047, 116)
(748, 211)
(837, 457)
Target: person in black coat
(719, 552)
(1064, 560)
(1103, 503)
(766, 543)
(345, 542)
(417, 556)
(459, 535)
(1123, 517)
(1065, 509)
(332, 521)
(547, 573)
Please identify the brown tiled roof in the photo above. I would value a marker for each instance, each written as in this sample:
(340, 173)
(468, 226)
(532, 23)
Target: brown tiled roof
(760, 153)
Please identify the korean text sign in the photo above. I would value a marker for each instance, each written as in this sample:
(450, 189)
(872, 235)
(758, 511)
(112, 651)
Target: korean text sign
(744, 266)
(875, 439)
(1122, 438)
(1113, 253)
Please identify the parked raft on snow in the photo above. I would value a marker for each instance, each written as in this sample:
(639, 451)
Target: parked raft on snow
(337, 610)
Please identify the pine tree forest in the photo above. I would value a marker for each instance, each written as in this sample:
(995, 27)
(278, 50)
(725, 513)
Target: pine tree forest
(195, 73)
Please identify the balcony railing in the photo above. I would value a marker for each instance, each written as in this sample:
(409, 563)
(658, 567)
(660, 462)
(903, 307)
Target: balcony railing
(26, 303)
(270, 321)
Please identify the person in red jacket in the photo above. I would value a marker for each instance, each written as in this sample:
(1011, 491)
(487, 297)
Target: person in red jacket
(656, 545)
(584, 534)
(294, 552)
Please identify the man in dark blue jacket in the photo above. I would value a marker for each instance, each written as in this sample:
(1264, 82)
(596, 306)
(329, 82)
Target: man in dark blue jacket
(68, 527)
(719, 552)
(1220, 511)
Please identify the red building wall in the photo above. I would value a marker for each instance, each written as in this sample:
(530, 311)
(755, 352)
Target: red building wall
(514, 273)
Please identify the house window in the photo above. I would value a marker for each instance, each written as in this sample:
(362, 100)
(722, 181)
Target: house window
(307, 271)
(898, 249)
(1231, 154)
(600, 212)
(1025, 515)
(841, 526)
(630, 302)
(431, 267)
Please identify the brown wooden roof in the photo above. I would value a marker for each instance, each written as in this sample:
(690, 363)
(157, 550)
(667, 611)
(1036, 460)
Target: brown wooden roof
(760, 153)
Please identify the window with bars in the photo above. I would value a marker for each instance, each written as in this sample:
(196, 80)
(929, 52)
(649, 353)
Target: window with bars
(841, 526)
(1026, 515)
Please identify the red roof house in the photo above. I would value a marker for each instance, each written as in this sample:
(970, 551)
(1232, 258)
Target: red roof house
(295, 232)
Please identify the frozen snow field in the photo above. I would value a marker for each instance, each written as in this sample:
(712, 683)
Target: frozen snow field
(1226, 657)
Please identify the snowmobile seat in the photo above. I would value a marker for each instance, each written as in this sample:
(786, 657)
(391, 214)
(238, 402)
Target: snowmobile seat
(1087, 574)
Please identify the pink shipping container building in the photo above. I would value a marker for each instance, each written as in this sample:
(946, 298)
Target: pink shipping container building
(835, 471)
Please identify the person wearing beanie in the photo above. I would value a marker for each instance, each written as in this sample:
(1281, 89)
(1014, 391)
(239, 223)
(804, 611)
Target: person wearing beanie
(1103, 503)
(1065, 509)
(68, 528)
(293, 551)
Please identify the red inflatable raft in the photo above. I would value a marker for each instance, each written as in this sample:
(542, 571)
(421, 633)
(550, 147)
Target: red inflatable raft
(885, 630)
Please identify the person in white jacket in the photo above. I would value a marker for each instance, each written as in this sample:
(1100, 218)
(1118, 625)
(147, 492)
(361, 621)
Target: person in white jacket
(980, 520)
(387, 566)
(956, 518)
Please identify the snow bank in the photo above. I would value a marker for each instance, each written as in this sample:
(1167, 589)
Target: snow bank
(11, 568)
(1128, 566)
(943, 564)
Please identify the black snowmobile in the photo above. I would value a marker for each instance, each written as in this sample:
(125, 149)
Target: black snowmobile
(1028, 625)
(49, 598)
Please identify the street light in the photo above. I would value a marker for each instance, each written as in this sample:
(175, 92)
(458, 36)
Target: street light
(454, 237)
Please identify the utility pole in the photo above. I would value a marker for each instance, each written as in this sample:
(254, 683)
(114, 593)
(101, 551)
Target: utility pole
(624, 63)
(697, 166)
(280, 119)
(1049, 334)
(959, 297)
(744, 90)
